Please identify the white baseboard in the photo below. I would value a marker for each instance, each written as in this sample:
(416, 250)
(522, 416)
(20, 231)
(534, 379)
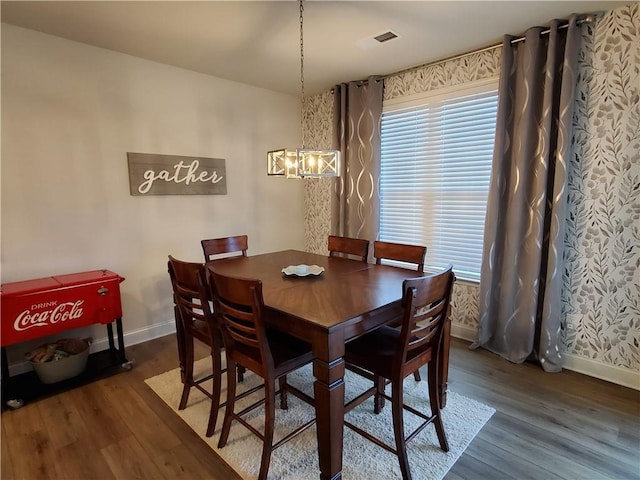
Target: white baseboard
(130, 338)
(620, 376)
(586, 366)
(463, 332)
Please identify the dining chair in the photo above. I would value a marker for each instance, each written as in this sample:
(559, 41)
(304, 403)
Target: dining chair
(194, 320)
(216, 248)
(239, 305)
(400, 252)
(213, 247)
(393, 354)
(406, 254)
(356, 247)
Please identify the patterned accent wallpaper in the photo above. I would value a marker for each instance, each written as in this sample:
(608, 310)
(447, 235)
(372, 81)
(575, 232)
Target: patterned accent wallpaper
(477, 66)
(601, 294)
(317, 122)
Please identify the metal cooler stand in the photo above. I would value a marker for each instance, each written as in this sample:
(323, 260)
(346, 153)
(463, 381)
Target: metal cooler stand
(46, 306)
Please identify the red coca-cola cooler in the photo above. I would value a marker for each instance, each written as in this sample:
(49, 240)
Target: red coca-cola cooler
(48, 306)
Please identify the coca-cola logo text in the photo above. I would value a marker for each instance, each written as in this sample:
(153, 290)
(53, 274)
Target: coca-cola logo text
(61, 313)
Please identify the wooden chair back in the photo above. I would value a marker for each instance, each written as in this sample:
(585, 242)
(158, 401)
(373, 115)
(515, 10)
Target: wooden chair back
(426, 306)
(407, 254)
(356, 247)
(400, 252)
(225, 245)
(189, 292)
(239, 305)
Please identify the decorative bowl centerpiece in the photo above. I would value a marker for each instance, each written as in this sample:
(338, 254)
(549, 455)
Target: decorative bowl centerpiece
(302, 270)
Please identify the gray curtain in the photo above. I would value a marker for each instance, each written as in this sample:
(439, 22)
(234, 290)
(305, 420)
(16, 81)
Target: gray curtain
(521, 278)
(355, 208)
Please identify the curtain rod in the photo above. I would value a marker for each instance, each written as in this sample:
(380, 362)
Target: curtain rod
(588, 18)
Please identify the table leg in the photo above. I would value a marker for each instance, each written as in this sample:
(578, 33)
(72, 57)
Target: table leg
(329, 396)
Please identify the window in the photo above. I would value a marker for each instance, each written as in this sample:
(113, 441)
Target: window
(435, 172)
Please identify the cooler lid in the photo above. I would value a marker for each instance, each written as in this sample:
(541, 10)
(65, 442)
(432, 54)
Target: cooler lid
(26, 287)
(93, 276)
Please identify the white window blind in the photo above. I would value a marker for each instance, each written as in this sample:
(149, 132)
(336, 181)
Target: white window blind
(435, 173)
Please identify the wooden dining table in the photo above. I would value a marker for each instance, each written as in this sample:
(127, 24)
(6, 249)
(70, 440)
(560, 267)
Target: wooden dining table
(348, 299)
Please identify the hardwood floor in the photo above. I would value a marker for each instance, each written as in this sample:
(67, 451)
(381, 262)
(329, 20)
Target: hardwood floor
(547, 426)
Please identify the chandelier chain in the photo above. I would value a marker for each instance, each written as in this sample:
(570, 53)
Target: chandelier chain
(303, 162)
(302, 100)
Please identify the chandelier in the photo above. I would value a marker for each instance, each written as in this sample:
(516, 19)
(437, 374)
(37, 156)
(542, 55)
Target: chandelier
(303, 162)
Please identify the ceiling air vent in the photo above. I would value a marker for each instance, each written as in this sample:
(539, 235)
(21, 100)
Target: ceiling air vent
(385, 37)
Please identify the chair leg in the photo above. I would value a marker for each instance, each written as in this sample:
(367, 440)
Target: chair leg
(188, 371)
(398, 428)
(180, 341)
(434, 401)
(241, 371)
(416, 375)
(215, 397)
(378, 399)
(269, 421)
(231, 401)
(283, 393)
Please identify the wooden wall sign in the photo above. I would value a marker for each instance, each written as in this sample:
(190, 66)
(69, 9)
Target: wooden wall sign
(152, 174)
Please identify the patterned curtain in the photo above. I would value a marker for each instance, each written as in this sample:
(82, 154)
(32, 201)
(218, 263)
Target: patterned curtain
(521, 278)
(355, 208)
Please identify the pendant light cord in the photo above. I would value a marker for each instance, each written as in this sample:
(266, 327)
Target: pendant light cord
(302, 73)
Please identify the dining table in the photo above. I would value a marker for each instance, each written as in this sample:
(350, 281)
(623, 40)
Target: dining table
(327, 310)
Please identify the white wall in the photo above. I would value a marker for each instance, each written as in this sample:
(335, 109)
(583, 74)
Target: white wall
(71, 112)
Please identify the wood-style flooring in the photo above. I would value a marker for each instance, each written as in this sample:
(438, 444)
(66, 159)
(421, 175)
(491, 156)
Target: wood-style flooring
(547, 426)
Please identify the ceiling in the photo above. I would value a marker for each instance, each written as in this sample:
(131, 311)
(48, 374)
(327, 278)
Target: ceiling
(258, 42)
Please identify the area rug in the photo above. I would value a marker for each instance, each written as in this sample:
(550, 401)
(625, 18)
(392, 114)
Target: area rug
(297, 460)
